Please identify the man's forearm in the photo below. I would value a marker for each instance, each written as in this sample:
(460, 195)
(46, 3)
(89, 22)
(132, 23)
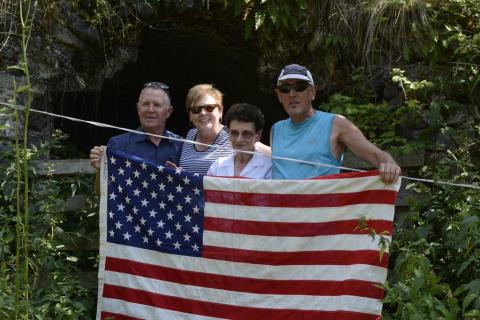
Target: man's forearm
(97, 183)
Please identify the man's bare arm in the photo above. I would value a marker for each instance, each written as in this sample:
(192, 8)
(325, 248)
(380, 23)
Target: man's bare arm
(346, 133)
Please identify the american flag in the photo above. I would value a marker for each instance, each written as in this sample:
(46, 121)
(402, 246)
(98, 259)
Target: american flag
(177, 245)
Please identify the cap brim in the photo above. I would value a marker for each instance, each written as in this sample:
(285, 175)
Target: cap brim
(294, 76)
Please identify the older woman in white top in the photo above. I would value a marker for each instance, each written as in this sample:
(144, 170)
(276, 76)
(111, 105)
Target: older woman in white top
(245, 123)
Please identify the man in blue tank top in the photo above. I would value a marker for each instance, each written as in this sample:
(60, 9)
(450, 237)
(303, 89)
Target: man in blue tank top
(317, 136)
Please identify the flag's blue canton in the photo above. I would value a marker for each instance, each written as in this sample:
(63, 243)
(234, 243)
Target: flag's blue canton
(154, 207)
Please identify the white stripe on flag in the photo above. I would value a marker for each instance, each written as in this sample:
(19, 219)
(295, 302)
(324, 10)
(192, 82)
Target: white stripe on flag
(292, 244)
(299, 302)
(147, 312)
(247, 270)
(238, 212)
(326, 186)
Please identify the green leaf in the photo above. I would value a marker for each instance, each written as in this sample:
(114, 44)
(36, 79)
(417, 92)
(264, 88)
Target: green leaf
(470, 220)
(23, 88)
(273, 12)
(8, 237)
(238, 7)
(74, 188)
(15, 68)
(249, 24)
(468, 300)
(474, 286)
(72, 259)
(259, 19)
(434, 113)
(302, 4)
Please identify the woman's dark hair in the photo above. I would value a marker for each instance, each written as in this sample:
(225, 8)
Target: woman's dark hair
(245, 112)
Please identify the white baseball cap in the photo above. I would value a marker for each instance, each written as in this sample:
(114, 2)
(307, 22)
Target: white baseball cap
(295, 71)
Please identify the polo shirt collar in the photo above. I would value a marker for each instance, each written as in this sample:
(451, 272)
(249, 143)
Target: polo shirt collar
(142, 137)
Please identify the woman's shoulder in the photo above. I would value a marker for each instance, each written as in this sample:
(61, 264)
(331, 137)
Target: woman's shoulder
(192, 133)
(223, 138)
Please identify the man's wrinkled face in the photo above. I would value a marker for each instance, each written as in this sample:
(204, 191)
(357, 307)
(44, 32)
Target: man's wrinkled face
(296, 97)
(153, 109)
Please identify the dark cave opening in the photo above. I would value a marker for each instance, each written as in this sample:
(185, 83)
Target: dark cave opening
(180, 57)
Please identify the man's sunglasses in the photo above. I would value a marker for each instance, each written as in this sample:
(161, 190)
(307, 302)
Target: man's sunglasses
(207, 107)
(157, 85)
(297, 86)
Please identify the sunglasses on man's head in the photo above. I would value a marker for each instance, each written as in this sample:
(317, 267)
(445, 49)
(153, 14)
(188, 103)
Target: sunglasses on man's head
(157, 85)
(297, 86)
(207, 107)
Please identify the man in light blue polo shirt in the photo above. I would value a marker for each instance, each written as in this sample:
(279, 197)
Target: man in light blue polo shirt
(153, 109)
(317, 136)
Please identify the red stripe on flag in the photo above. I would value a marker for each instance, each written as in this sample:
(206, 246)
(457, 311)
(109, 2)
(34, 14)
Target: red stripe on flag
(301, 200)
(212, 309)
(330, 257)
(242, 284)
(297, 229)
(116, 316)
(344, 175)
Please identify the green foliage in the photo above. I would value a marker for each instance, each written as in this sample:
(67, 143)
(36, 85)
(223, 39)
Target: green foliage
(269, 15)
(435, 251)
(115, 18)
(377, 121)
(437, 244)
(437, 248)
(456, 26)
(410, 88)
(339, 33)
(58, 261)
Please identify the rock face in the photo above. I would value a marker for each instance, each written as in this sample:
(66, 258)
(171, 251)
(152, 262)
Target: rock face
(72, 57)
(65, 53)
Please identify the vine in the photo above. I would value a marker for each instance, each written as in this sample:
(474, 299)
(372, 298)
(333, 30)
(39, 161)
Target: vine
(27, 11)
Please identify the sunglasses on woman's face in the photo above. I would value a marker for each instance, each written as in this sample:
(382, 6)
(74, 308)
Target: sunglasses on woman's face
(297, 86)
(207, 107)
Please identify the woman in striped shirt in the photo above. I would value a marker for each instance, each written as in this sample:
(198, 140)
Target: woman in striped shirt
(204, 106)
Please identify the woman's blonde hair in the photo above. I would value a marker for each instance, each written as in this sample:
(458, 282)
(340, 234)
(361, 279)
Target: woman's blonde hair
(198, 91)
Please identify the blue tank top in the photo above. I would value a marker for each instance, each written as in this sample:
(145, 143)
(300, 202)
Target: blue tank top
(309, 141)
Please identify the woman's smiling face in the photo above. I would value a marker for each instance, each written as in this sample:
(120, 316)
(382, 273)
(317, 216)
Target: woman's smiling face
(205, 120)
